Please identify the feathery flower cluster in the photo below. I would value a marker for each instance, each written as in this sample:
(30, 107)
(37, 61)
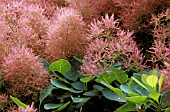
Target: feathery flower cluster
(28, 109)
(161, 47)
(23, 72)
(135, 14)
(3, 102)
(49, 6)
(92, 9)
(108, 44)
(66, 34)
(26, 24)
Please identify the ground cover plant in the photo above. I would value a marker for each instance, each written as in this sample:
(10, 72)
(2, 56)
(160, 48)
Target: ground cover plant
(82, 55)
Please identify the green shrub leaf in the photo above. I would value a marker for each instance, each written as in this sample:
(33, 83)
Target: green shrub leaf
(160, 82)
(45, 93)
(87, 79)
(62, 107)
(62, 66)
(120, 76)
(112, 96)
(51, 106)
(78, 85)
(59, 84)
(155, 96)
(116, 90)
(79, 100)
(141, 84)
(127, 107)
(18, 102)
(91, 93)
(137, 99)
(129, 91)
(105, 77)
(152, 81)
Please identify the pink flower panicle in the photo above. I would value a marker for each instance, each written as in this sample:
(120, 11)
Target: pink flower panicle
(28, 109)
(110, 44)
(161, 46)
(27, 24)
(92, 9)
(23, 72)
(66, 34)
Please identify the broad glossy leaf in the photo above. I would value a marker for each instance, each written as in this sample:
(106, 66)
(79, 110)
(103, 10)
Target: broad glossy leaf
(78, 85)
(62, 66)
(155, 96)
(144, 77)
(155, 72)
(141, 84)
(120, 76)
(45, 93)
(75, 91)
(79, 100)
(62, 107)
(127, 107)
(79, 60)
(116, 90)
(18, 102)
(105, 77)
(112, 96)
(45, 62)
(73, 73)
(51, 106)
(160, 82)
(167, 109)
(59, 84)
(137, 99)
(140, 90)
(91, 93)
(87, 79)
(61, 77)
(152, 81)
(129, 91)
(97, 87)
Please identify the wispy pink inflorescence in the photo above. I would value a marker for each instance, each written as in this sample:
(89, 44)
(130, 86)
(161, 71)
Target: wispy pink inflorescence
(161, 46)
(23, 72)
(98, 28)
(108, 44)
(92, 9)
(27, 24)
(3, 102)
(66, 34)
(28, 109)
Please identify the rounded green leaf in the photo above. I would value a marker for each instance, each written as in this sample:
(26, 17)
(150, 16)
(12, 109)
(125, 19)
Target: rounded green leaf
(137, 99)
(18, 102)
(155, 96)
(160, 82)
(51, 106)
(87, 79)
(62, 107)
(59, 84)
(112, 96)
(79, 100)
(119, 75)
(91, 93)
(62, 66)
(78, 85)
(152, 81)
(116, 90)
(45, 93)
(75, 91)
(144, 77)
(127, 107)
(129, 91)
